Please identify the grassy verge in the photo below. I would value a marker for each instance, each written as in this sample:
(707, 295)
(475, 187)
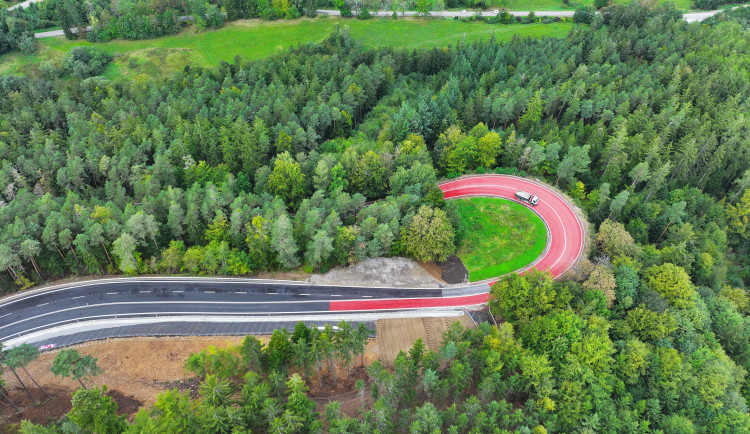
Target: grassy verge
(255, 39)
(501, 236)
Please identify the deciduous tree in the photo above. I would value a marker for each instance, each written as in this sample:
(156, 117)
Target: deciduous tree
(430, 235)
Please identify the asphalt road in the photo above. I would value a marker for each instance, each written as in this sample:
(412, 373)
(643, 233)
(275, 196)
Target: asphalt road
(42, 310)
(564, 228)
(128, 298)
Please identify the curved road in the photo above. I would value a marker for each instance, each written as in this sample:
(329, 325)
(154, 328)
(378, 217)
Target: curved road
(32, 315)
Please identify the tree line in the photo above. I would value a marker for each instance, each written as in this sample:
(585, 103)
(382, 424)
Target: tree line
(640, 119)
(100, 177)
(67, 363)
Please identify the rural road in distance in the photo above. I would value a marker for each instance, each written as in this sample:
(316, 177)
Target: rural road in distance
(34, 314)
(689, 16)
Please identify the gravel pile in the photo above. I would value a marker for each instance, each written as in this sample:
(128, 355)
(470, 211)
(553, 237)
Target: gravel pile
(393, 272)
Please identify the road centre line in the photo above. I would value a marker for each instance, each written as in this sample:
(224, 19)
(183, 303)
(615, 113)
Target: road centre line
(119, 303)
(562, 223)
(537, 185)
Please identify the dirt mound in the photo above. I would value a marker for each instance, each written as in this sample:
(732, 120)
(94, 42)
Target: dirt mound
(46, 412)
(398, 272)
(189, 385)
(51, 410)
(126, 404)
(453, 270)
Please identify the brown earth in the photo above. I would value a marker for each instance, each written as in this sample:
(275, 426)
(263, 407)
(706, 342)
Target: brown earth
(394, 335)
(433, 269)
(135, 370)
(453, 270)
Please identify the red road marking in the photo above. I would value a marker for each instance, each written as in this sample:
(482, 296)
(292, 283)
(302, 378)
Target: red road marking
(565, 237)
(410, 303)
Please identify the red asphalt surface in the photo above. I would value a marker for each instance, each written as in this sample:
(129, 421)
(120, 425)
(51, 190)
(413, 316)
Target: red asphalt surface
(565, 237)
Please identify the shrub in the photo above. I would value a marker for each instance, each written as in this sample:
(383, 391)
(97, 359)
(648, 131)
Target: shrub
(364, 14)
(28, 44)
(584, 15)
(84, 62)
(505, 18)
(707, 4)
(49, 70)
(601, 3)
(292, 13)
(215, 18)
(528, 19)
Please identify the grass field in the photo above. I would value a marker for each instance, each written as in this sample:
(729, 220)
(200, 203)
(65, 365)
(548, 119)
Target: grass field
(501, 236)
(254, 39)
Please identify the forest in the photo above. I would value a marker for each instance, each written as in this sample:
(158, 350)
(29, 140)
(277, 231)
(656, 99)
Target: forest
(329, 153)
(130, 19)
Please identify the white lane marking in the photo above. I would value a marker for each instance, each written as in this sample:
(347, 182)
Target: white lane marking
(125, 280)
(144, 291)
(210, 292)
(43, 304)
(335, 295)
(557, 196)
(241, 292)
(165, 279)
(198, 316)
(80, 296)
(111, 293)
(178, 292)
(305, 294)
(272, 293)
(235, 302)
(536, 184)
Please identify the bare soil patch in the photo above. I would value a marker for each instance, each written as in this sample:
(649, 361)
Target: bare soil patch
(399, 334)
(433, 269)
(391, 272)
(453, 270)
(51, 410)
(135, 370)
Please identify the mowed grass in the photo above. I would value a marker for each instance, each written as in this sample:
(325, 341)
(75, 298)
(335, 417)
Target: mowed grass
(501, 236)
(255, 39)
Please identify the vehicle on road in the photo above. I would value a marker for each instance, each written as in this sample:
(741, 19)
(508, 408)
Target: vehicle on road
(527, 197)
(496, 12)
(46, 347)
(463, 11)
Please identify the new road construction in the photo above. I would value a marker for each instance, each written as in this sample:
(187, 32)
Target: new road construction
(97, 309)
